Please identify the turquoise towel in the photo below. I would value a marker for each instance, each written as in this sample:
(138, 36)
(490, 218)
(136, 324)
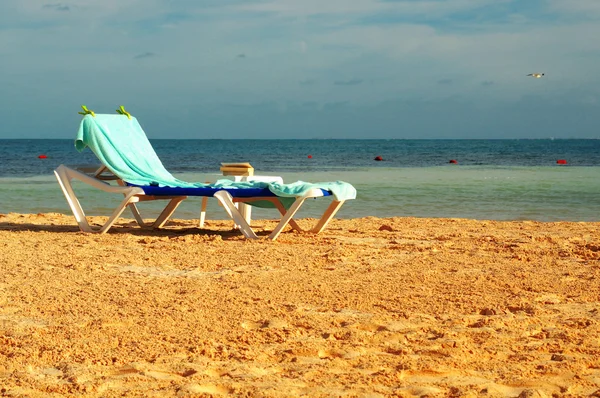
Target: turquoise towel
(122, 146)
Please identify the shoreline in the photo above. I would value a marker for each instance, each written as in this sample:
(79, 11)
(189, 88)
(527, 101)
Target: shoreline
(547, 194)
(380, 306)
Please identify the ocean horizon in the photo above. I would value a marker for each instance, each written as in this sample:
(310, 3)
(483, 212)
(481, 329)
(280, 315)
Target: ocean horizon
(492, 179)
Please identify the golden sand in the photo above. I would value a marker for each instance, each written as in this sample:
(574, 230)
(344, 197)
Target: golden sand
(370, 308)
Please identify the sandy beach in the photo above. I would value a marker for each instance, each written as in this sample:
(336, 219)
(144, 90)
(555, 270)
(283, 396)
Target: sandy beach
(372, 307)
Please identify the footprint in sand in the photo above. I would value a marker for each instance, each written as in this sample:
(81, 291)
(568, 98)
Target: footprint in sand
(338, 353)
(149, 371)
(266, 324)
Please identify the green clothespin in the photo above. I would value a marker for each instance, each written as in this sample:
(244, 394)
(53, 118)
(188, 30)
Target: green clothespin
(86, 111)
(122, 111)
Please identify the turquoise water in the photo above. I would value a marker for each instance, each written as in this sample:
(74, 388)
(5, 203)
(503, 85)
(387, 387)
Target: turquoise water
(543, 193)
(493, 179)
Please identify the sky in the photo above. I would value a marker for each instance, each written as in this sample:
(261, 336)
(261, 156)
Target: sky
(304, 68)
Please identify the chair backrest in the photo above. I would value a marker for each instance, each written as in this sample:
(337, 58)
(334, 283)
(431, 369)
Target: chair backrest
(122, 146)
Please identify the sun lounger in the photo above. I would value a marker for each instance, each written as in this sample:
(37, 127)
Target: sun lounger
(121, 145)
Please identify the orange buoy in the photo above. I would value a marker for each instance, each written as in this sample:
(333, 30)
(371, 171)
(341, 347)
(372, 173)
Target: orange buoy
(453, 161)
(378, 158)
(310, 156)
(42, 157)
(561, 161)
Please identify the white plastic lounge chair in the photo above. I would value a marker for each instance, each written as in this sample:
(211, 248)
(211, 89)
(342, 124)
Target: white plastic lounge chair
(121, 145)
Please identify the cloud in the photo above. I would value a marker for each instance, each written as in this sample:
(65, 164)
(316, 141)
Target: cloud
(287, 8)
(344, 9)
(588, 8)
(303, 46)
(351, 82)
(144, 55)
(57, 7)
(307, 82)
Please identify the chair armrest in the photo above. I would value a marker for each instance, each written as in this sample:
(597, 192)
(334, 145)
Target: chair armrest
(66, 174)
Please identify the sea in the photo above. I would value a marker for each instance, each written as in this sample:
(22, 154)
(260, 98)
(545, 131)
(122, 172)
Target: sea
(489, 180)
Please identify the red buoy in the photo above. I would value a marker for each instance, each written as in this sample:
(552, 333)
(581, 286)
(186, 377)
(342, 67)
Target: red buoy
(453, 161)
(42, 157)
(310, 156)
(561, 161)
(378, 158)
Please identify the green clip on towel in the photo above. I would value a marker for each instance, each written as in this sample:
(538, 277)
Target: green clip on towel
(86, 111)
(122, 111)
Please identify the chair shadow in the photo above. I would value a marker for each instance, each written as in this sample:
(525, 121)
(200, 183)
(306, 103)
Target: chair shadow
(130, 229)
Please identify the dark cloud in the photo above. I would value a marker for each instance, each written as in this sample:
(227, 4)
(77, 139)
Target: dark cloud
(241, 55)
(445, 81)
(487, 83)
(144, 55)
(351, 82)
(58, 7)
(307, 82)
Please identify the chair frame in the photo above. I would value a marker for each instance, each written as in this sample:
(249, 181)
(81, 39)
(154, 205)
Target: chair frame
(133, 195)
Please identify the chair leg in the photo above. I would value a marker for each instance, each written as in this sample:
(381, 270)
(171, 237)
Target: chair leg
(64, 175)
(287, 217)
(168, 211)
(64, 180)
(138, 217)
(162, 218)
(132, 195)
(226, 200)
(114, 216)
(203, 211)
(283, 210)
(132, 206)
(327, 216)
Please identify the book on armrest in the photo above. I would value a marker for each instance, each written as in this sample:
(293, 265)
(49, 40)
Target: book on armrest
(237, 169)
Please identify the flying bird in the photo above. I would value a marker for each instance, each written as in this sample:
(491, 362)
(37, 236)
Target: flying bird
(536, 75)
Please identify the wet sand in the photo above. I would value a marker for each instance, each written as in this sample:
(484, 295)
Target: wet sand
(370, 308)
